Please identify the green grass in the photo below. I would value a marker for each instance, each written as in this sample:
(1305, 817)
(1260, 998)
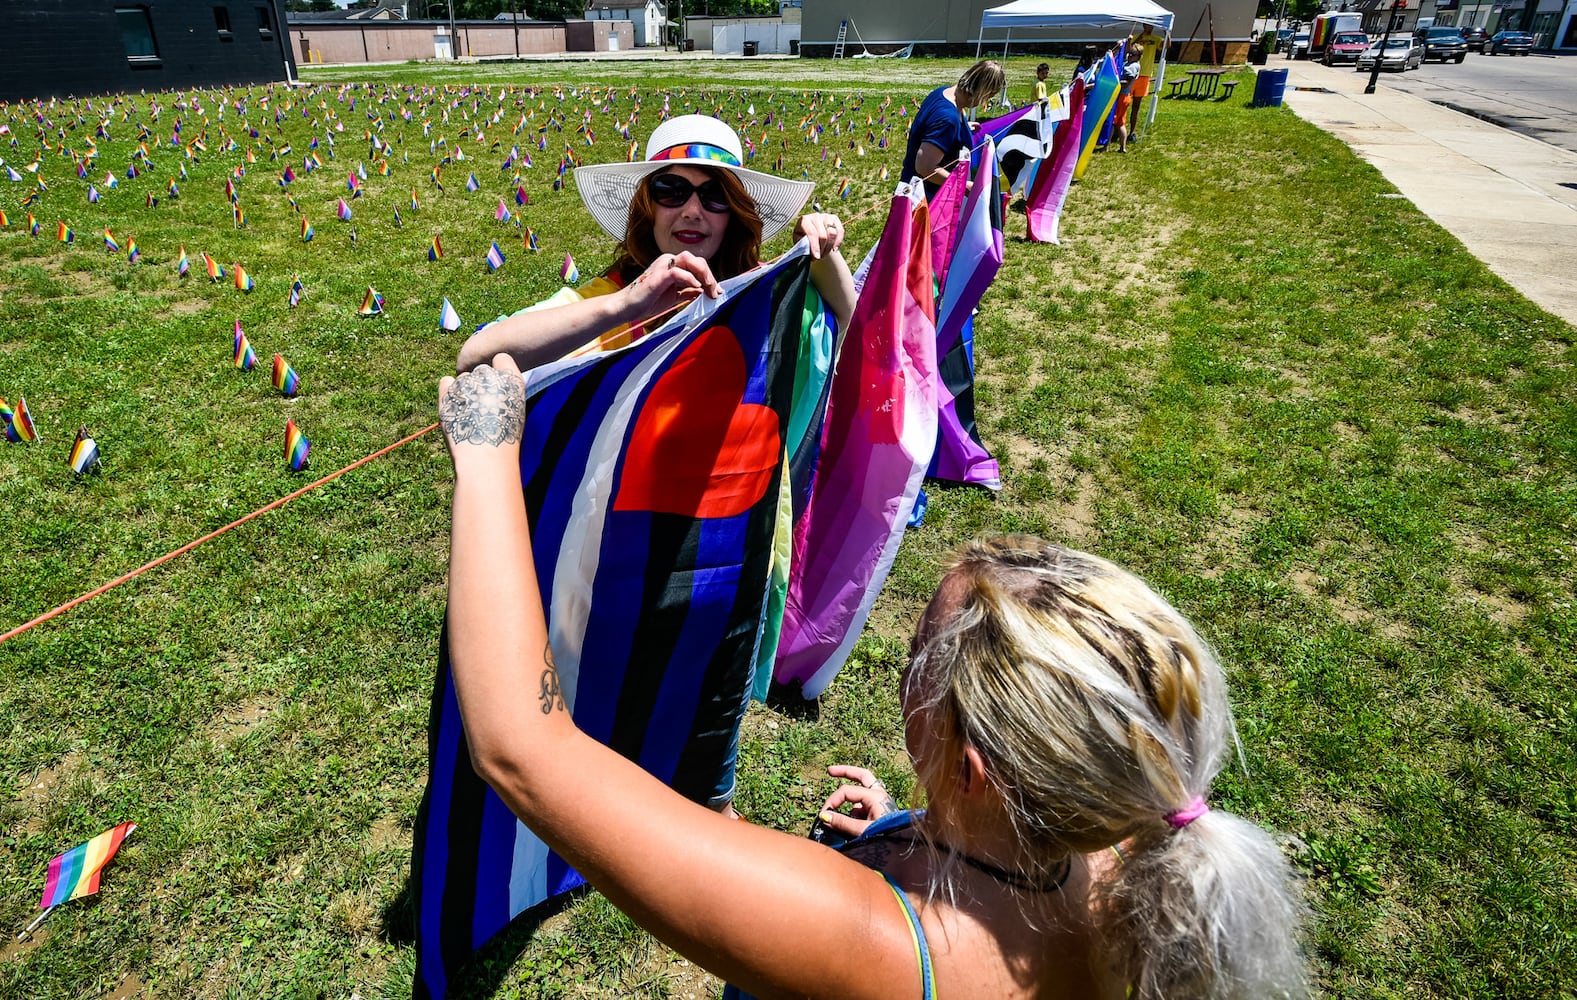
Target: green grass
(1297, 406)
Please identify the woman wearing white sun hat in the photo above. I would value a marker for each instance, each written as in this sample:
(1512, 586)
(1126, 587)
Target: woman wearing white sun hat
(686, 217)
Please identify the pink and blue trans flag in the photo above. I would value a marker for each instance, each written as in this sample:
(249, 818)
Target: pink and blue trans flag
(877, 439)
(654, 479)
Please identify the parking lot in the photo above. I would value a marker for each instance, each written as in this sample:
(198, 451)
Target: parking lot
(1535, 95)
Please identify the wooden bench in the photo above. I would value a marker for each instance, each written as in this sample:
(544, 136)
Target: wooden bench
(1229, 86)
(1177, 85)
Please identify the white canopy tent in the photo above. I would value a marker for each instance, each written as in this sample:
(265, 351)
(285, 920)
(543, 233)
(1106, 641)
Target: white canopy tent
(1079, 14)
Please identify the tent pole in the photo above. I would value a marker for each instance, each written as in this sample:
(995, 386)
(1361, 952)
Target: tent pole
(1005, 44)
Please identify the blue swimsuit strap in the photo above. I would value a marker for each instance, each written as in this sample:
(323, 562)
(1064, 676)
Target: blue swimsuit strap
(922, 951)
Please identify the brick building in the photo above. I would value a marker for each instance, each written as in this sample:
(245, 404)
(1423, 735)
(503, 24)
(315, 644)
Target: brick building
(76, 47)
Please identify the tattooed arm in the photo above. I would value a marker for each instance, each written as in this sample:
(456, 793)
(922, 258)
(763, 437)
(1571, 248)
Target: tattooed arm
(791, 906)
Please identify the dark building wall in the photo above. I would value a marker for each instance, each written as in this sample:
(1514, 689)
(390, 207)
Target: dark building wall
(52, 48)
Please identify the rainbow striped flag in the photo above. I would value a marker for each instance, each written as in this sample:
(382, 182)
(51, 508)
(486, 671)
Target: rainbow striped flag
(182, 265)
(109, 242)
(307, 231)
(64, 234)
(215, 272)
(285, 378)
(242, 355)
(6, 416)
(76, 872)
(20, 427)
(436, 251)
(296, 447)
(243, 281)
(84, 452)
(372, 304)
(132, 253)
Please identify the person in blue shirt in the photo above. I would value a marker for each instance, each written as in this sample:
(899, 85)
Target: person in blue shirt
(940, 132)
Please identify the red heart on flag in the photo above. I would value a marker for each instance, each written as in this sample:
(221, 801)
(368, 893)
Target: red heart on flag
(697, 449)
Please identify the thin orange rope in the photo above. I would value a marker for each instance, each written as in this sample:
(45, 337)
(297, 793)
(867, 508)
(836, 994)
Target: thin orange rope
(41, 619)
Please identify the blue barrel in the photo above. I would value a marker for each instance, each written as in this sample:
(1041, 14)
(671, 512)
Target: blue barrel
(1269, 86)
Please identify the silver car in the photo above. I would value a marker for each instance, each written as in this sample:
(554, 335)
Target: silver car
(1401, 54)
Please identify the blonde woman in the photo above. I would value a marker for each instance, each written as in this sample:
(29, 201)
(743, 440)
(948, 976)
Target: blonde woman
(1054, 708)
(940, 136)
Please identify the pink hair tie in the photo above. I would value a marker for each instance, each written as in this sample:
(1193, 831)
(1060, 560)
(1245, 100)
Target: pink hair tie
(1186, 815)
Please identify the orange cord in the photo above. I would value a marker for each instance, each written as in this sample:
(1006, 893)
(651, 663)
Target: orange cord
(41, 619)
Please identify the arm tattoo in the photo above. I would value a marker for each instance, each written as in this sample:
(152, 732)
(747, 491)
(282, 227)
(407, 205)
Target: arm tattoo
(485, 406)
(552, 695)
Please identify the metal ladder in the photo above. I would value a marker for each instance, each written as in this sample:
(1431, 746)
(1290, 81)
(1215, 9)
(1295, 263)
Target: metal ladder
(843, 33)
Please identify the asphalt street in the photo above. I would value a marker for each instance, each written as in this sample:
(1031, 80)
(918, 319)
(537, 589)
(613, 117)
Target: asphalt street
(1535, 95)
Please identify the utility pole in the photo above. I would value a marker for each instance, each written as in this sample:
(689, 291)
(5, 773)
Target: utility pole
(454, 39)
(514, 15)
(1379, 58)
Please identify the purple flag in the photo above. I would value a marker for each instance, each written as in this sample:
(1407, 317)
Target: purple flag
(977, 254)
(877, 440)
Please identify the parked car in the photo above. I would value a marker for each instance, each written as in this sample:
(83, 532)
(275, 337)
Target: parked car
(1299, 49)
(1401, 54)
(1516, 43)
(1476, 38)
(1445, 44)
(1346, 47)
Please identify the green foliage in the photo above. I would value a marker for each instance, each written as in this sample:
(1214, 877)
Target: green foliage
(1299, 408)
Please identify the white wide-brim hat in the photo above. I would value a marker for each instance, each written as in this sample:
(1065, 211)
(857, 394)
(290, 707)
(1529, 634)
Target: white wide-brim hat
(696, 140)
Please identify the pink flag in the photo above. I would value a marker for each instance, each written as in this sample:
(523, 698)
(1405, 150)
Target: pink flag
(1050, 189)
(945, 206)
(876, 442)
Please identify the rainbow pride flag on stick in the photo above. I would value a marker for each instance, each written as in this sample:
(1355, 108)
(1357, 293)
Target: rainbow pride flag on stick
(285, 378)
(76, 872)
(296, 446)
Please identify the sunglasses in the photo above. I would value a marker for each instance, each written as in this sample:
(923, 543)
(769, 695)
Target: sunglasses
(673, 191)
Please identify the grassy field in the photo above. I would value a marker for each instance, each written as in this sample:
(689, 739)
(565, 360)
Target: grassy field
(1250, 373)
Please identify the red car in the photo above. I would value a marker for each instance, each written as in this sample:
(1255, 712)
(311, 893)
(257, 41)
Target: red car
(1346, 47)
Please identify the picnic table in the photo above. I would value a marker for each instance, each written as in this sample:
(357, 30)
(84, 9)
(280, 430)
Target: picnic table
(1201, 84)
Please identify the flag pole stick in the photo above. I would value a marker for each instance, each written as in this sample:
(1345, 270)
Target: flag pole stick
(30, 927)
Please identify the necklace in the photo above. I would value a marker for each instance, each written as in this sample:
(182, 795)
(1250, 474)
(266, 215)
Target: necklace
(1009, 878)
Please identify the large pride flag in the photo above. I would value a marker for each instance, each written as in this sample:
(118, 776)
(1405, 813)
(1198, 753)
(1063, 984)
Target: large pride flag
(977, 255)
(76, 872)
(654, 478)
(1100, 96)
(877, 440)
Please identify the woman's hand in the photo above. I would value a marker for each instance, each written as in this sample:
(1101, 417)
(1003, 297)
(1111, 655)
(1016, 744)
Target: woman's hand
(825, 231)
(868, 801)
(483, 413)
(671, 280)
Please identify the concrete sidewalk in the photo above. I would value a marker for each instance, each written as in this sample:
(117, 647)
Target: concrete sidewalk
(1498, 192)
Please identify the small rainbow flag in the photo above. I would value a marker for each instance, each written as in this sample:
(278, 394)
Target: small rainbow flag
(296, 446)
(416, 202)
(244, 357)
(182, 264)
(243, 281)
(5, 223)
(436, 251)
(240, 216)
(76, 872)
(215, 272)
(372, 305)
(6, 416)
(32, 224)
(569, 272)
(151, 201)
(296, 291)
(64, 234)
(495, 257)
(343, 211)
(132, 253)
(21, 426)
(285, 378)
(84, 453)
(843, 188)
(306, 230)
